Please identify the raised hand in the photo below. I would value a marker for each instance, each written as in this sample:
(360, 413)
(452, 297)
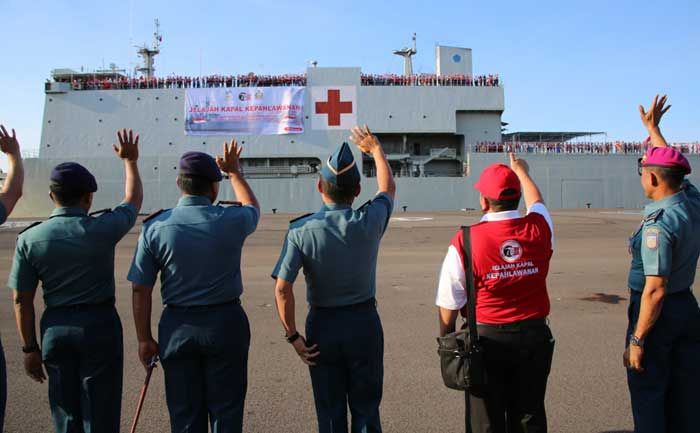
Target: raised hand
(364, 139)
(519, 166)
(652, 117)
(128, 148)
(8, 143)
(230, 162)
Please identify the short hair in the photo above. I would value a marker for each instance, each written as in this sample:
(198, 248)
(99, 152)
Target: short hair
(504, 205)
(339, 193)
(66, 197)
(194, 185)
(672, 176)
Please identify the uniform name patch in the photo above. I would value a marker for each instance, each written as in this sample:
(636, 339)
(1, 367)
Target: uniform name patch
(651, 239)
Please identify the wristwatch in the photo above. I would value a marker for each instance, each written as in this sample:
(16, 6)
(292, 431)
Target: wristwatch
(292, 338)
(31, 348)
(635, 341)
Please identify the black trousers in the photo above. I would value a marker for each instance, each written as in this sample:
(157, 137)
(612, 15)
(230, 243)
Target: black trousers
(518, 358)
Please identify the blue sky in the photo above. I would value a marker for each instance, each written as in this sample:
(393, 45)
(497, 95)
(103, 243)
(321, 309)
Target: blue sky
(566, 65)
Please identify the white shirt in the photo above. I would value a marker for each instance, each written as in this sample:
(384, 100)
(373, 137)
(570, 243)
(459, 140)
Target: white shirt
(451, 292)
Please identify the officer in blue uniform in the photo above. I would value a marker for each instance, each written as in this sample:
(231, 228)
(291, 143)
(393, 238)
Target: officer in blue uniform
(663, 345)
(203, 333)
(72, 255)
(337, 248)
(10, 194)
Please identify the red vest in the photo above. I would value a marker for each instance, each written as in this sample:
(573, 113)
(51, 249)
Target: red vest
(511, 262)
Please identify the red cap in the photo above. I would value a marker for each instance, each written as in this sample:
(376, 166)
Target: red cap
(666, 157)
(497, 179)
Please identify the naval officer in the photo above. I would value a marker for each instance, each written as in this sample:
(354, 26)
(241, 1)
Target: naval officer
(203, 333)
(337, 248)
(72, 255)
(10, 194)
(663, 335)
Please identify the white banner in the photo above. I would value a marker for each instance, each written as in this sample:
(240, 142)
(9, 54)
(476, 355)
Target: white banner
(244, 111)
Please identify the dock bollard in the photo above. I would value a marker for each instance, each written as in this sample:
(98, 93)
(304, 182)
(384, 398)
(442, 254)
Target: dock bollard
(404, 208)
(274, 210)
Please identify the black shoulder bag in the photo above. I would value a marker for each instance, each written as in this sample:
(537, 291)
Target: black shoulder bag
(461, 354)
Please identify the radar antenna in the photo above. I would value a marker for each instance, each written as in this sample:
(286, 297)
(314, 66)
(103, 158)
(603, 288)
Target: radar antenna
(149, 53)
(407, 53)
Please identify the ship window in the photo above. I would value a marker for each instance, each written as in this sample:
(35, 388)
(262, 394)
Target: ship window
(48, 145)
(50, 99)
(157, 98)
(156, 119)
(391, 117)
(176, 119)
(204, 142)
(99, 120)
(99, 144)
(174, 168)
(176, 98)
(155, 168)
(49, 121)
(100, 99)
(138, 98)
(425, 117)
(170, 143)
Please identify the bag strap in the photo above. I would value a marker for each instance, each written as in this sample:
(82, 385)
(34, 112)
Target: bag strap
(471, 291)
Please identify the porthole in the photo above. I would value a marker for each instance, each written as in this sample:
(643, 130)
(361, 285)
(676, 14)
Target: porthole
(138, 98)
(100, 99)
(157, 98)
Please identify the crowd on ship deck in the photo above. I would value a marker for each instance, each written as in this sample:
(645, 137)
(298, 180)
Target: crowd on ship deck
(603, 148)
(178, 82)
(430, 80)
(253, 80)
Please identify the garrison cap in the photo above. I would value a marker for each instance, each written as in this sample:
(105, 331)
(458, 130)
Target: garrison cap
(200, 164)
(666, 157)
(340, 168)
(498, 182)
(73, 177)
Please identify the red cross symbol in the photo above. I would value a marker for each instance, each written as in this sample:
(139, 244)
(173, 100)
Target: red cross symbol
(334, 107)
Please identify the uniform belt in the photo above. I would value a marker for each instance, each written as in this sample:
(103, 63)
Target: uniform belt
(84, 307)
(364, 305)
(527, 323)
(236, 301)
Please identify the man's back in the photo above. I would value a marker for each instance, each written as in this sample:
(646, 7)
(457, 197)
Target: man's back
(197, 248)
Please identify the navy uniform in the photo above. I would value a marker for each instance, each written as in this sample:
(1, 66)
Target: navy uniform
(337, 248)
(72, 255)
(3, 366)
(204, 334)
(667, 244)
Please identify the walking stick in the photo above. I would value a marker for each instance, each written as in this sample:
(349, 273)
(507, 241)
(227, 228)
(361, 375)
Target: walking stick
(149, 371)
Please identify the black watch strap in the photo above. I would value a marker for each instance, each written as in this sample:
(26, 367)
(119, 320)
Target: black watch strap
(31, 348)
(292, 338)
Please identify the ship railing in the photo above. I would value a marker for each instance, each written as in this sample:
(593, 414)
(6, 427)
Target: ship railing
(291, 170)
(564, 148)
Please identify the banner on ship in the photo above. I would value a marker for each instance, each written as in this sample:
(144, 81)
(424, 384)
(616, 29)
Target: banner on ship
(244, 111)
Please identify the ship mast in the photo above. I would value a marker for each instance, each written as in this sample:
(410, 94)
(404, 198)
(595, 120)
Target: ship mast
(149, 53)
(407, 53)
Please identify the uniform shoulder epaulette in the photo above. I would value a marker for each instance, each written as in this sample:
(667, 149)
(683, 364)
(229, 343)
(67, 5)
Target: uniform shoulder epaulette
(300, 218)
(229, 203)
(34, 224)
(654, 216)
(100, 212)
(153, 215)
(367, 203)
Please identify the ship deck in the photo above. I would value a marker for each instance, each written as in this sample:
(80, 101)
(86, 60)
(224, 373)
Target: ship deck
(587, 388)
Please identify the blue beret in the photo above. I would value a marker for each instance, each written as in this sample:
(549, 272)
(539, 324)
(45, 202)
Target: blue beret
(200, 164)
(73, 177)
(340, 168)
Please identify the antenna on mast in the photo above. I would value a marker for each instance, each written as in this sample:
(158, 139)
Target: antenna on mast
(149, 53)
(407, 53)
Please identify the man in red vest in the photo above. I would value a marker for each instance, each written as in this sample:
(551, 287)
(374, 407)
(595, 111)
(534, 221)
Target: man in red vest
(510, 259)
